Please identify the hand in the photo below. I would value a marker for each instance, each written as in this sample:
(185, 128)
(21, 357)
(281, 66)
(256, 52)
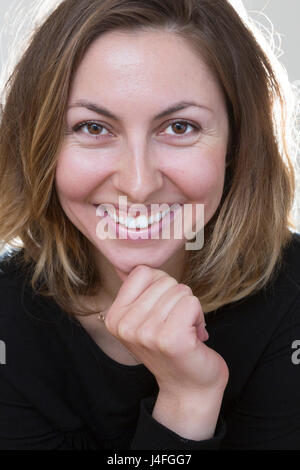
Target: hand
(161, 322)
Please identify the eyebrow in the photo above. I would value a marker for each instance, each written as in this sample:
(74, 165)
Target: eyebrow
(105, 112)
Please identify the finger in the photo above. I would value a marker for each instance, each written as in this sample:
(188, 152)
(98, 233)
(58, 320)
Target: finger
(147, 318)
(137, 281)
(165, 302)
(183, 317)
(127, 321)
(152, 295)
(186, 316)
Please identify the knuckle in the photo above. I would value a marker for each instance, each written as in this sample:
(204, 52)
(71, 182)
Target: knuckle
(145, 337)
(167, 281)
(148, 273)
(184, 288)
(125, 330)
(161, 273)
(156, 275)
(142, 272)
(142, 268)
(108, 322)
(194, 302)
(165, 343)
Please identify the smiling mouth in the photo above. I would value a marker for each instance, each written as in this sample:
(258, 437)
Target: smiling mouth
(134, 223)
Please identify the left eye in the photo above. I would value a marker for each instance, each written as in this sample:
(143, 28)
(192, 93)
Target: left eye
(180, 128)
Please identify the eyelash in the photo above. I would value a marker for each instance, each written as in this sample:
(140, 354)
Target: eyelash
(81, 125)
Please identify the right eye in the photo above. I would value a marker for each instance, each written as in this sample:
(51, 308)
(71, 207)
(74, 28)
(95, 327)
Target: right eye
(91, 128)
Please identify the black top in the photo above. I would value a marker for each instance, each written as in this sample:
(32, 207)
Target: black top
(59, 390)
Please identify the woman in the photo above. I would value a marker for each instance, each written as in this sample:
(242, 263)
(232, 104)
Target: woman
(120, 105)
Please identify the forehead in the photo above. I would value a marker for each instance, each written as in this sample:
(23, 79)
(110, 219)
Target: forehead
(138, 64)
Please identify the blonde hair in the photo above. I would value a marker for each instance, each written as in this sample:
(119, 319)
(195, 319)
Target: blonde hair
(245, 239)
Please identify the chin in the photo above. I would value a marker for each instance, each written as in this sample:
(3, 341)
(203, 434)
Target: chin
(154, 256)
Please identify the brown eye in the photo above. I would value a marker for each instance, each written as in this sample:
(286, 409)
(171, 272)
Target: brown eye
(94, 129)
(91, 129)
(179, 127)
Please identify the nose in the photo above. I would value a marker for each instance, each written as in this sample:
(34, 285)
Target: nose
(137, 175)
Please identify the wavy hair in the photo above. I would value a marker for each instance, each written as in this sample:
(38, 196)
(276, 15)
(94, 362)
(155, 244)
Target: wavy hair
(245, 239)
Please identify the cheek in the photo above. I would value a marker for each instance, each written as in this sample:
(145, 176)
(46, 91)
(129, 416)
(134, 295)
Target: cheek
(75, 175)
(205, 186)
(204, 180)
(208, 181)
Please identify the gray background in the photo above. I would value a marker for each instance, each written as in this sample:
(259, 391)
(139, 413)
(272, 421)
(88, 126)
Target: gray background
(284, 16)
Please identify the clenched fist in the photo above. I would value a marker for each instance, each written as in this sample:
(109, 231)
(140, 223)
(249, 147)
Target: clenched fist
(161, 322)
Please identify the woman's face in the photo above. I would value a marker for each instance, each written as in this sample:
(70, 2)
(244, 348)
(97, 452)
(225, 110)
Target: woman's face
(127, 147)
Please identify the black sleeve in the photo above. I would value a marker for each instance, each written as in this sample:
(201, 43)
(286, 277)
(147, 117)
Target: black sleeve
(23, 427)
(22, 424)
(152, 435)
(267, 414)
(33, 416)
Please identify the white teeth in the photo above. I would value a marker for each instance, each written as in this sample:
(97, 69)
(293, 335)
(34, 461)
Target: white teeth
(141, 221)
(114, 217)
(122, 220)
(151, 219)
(157, 217)
(130, 222)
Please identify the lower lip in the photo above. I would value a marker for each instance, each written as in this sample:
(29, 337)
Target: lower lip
(142, 235)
